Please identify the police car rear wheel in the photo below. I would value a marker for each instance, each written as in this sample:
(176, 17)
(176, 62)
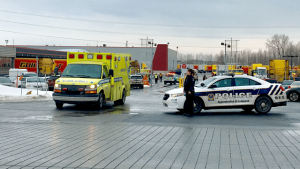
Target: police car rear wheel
(263, 105)
(293, 96)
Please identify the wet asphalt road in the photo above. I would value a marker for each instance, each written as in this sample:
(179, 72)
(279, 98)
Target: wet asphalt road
(144, 106)
(144, 134)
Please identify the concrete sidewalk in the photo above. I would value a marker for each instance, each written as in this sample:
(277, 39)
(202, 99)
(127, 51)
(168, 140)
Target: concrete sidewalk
(120, 145)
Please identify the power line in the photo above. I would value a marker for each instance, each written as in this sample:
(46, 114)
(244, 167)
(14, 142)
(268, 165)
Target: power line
(60, 37)
(158, 25)
(88, 30)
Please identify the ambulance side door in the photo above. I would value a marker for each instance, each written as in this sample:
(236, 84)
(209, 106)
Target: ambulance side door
(106, 82)
(220, 93)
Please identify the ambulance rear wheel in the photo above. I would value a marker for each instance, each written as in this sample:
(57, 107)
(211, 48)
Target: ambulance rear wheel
(263, 105)
(122, 101)
(59, 105)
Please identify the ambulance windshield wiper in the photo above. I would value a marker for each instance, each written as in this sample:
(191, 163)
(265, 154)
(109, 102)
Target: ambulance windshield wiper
(84, 76)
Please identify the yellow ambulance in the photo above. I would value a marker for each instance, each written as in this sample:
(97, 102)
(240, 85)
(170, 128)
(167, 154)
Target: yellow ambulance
(95, 78)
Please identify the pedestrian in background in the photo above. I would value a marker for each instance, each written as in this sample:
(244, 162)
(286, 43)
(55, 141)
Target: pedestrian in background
(204, 77)
(156, 77)
(189, 91)
(160, 76)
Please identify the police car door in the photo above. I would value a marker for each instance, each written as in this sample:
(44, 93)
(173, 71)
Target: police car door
(245, 91)
(220, 93)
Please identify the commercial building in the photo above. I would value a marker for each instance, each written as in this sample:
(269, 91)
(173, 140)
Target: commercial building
(164, 58)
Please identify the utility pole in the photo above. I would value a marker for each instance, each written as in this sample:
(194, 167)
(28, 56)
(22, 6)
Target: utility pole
(291, 60)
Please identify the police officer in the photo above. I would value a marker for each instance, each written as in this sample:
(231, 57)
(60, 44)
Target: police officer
(189, 90)
(156, 78)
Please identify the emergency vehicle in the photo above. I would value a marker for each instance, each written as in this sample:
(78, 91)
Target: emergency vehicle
(171, 78)
(93, 78)
(234, 91)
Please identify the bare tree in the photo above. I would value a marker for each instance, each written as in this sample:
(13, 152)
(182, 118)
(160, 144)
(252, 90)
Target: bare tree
(278, 43)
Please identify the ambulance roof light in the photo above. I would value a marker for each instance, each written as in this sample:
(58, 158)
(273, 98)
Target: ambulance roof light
(71, 56)
(80, 56)
(108, 57)
(99, 56)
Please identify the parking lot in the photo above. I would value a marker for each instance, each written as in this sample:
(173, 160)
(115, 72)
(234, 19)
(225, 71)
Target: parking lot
(144, 134)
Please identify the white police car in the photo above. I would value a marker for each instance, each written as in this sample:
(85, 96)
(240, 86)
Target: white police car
(239, 91)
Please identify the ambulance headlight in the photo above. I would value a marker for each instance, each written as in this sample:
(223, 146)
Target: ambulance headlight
(57, 85)
(177, 95)
(92, 86)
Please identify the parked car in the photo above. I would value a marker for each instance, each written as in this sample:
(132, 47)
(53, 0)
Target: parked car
(287, 83)
(5, 81)
(295, 84)
(136, 81)
(34, 82)
(171, 78)
(25, 74)
(293, 94)
(51, 82)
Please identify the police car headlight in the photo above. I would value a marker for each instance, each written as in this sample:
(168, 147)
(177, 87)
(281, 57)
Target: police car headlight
(57, 85)
(177, 95)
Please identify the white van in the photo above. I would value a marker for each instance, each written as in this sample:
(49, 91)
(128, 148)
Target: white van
(17, 72)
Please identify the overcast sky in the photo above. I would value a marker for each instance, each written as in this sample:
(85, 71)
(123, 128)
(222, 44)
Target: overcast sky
(195, 26)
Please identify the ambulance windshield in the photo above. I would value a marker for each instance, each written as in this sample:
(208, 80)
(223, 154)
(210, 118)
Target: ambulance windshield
(83, 71)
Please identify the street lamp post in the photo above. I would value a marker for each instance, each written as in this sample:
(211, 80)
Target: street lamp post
(6, 41)
(222, 43)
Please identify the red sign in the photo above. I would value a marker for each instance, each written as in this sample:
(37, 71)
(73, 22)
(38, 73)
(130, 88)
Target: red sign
(30, 64)
(195, 66)
(183, 66)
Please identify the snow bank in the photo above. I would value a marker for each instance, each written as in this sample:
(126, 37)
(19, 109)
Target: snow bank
(14, 94)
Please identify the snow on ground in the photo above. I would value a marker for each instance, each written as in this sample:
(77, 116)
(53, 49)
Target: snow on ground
(14, 94)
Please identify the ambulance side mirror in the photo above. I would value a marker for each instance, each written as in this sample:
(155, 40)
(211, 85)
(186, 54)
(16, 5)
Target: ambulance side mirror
(213, 86)
(111, 73)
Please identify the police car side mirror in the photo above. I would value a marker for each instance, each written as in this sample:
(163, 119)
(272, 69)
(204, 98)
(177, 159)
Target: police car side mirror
(111, 73)
(202, 84)
(212, 86)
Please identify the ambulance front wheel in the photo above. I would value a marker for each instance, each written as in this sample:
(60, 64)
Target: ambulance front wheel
(100, 102)
(263, 105)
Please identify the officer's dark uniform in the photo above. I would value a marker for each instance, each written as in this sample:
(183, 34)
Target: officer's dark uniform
(189, 84)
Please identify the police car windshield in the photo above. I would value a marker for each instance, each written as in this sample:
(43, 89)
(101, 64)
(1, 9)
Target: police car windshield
(82, 71)
(206, 82)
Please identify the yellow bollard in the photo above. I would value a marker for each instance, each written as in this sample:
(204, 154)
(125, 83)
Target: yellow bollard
(180, 82)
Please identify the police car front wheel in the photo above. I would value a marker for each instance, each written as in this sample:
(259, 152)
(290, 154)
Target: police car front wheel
(263, 105)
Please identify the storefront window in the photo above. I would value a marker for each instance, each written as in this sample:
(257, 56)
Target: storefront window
(5, 62)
